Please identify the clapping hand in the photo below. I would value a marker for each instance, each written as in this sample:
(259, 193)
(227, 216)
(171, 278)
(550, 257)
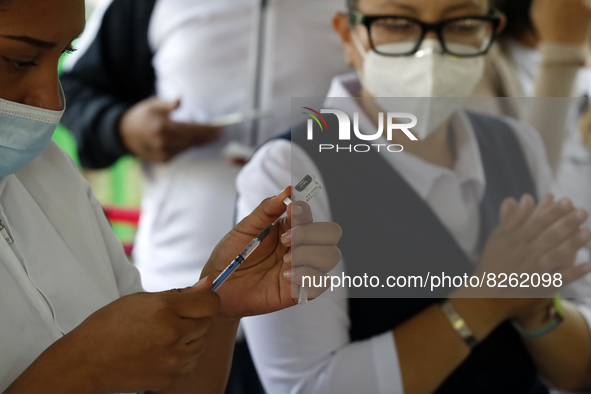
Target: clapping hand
(532, 240)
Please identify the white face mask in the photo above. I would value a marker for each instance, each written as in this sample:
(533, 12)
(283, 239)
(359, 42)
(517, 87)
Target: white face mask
(429, 73)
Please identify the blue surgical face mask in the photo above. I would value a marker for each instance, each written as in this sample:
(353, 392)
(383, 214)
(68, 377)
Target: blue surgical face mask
(25, 132)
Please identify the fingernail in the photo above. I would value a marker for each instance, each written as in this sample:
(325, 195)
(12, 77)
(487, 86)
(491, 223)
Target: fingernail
(581, 214)
(286, 238)
(585, 235)
(507, 208)
(280, 193)
(287, 274)
(287, 258)
(202, 281)
(546, 200)
(522, 202)
(296, 209)
(565, 203)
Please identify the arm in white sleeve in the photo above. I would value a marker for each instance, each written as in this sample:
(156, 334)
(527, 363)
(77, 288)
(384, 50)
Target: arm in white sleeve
(549, 111)
(549, 108)
(307, 349)
(126, 274)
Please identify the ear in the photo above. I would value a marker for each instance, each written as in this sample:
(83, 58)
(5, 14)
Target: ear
(502, 24)
(340, 24)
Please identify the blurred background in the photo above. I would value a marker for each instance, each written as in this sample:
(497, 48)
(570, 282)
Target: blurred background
(118, 188)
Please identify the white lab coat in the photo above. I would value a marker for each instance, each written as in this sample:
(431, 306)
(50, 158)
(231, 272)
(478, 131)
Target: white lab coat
(64, 262)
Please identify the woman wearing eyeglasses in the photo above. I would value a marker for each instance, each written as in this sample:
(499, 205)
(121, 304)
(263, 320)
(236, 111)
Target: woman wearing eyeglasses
(447, 204)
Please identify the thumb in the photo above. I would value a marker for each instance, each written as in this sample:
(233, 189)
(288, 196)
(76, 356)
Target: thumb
(203, 284)
(166, 106)
(263, 215)
(172, 105)
(574, 273)
(195, 301)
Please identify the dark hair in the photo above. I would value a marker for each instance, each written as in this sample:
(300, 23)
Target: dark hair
(518, 19)
(352, 4)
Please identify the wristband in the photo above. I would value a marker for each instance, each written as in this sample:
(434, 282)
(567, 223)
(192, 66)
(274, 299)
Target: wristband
(555, 316)
(459, 324)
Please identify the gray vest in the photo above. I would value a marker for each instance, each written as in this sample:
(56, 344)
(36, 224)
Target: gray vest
(361, 185)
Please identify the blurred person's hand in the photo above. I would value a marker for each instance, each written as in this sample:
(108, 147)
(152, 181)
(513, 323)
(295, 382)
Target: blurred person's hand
(264, 283)
(138, 342)
(542, 239)
(147, 131)
(561, 21)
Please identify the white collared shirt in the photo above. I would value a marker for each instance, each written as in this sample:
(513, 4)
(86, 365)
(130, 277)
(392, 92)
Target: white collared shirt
(63, 263)
(308, 349)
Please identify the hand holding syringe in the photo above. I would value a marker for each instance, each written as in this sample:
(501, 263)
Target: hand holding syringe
(304, 190)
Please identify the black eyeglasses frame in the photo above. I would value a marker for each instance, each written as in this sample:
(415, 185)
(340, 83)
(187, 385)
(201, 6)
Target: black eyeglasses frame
(357, 17)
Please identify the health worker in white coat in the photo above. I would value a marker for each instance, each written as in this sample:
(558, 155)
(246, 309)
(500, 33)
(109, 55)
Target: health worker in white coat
(73, 314)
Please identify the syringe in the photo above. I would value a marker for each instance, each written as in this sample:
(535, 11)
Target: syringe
(304, 190)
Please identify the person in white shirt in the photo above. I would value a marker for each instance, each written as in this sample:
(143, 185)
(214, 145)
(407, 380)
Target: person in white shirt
(74, 315)
(449, 178)
(538, 70)
(160, 87)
